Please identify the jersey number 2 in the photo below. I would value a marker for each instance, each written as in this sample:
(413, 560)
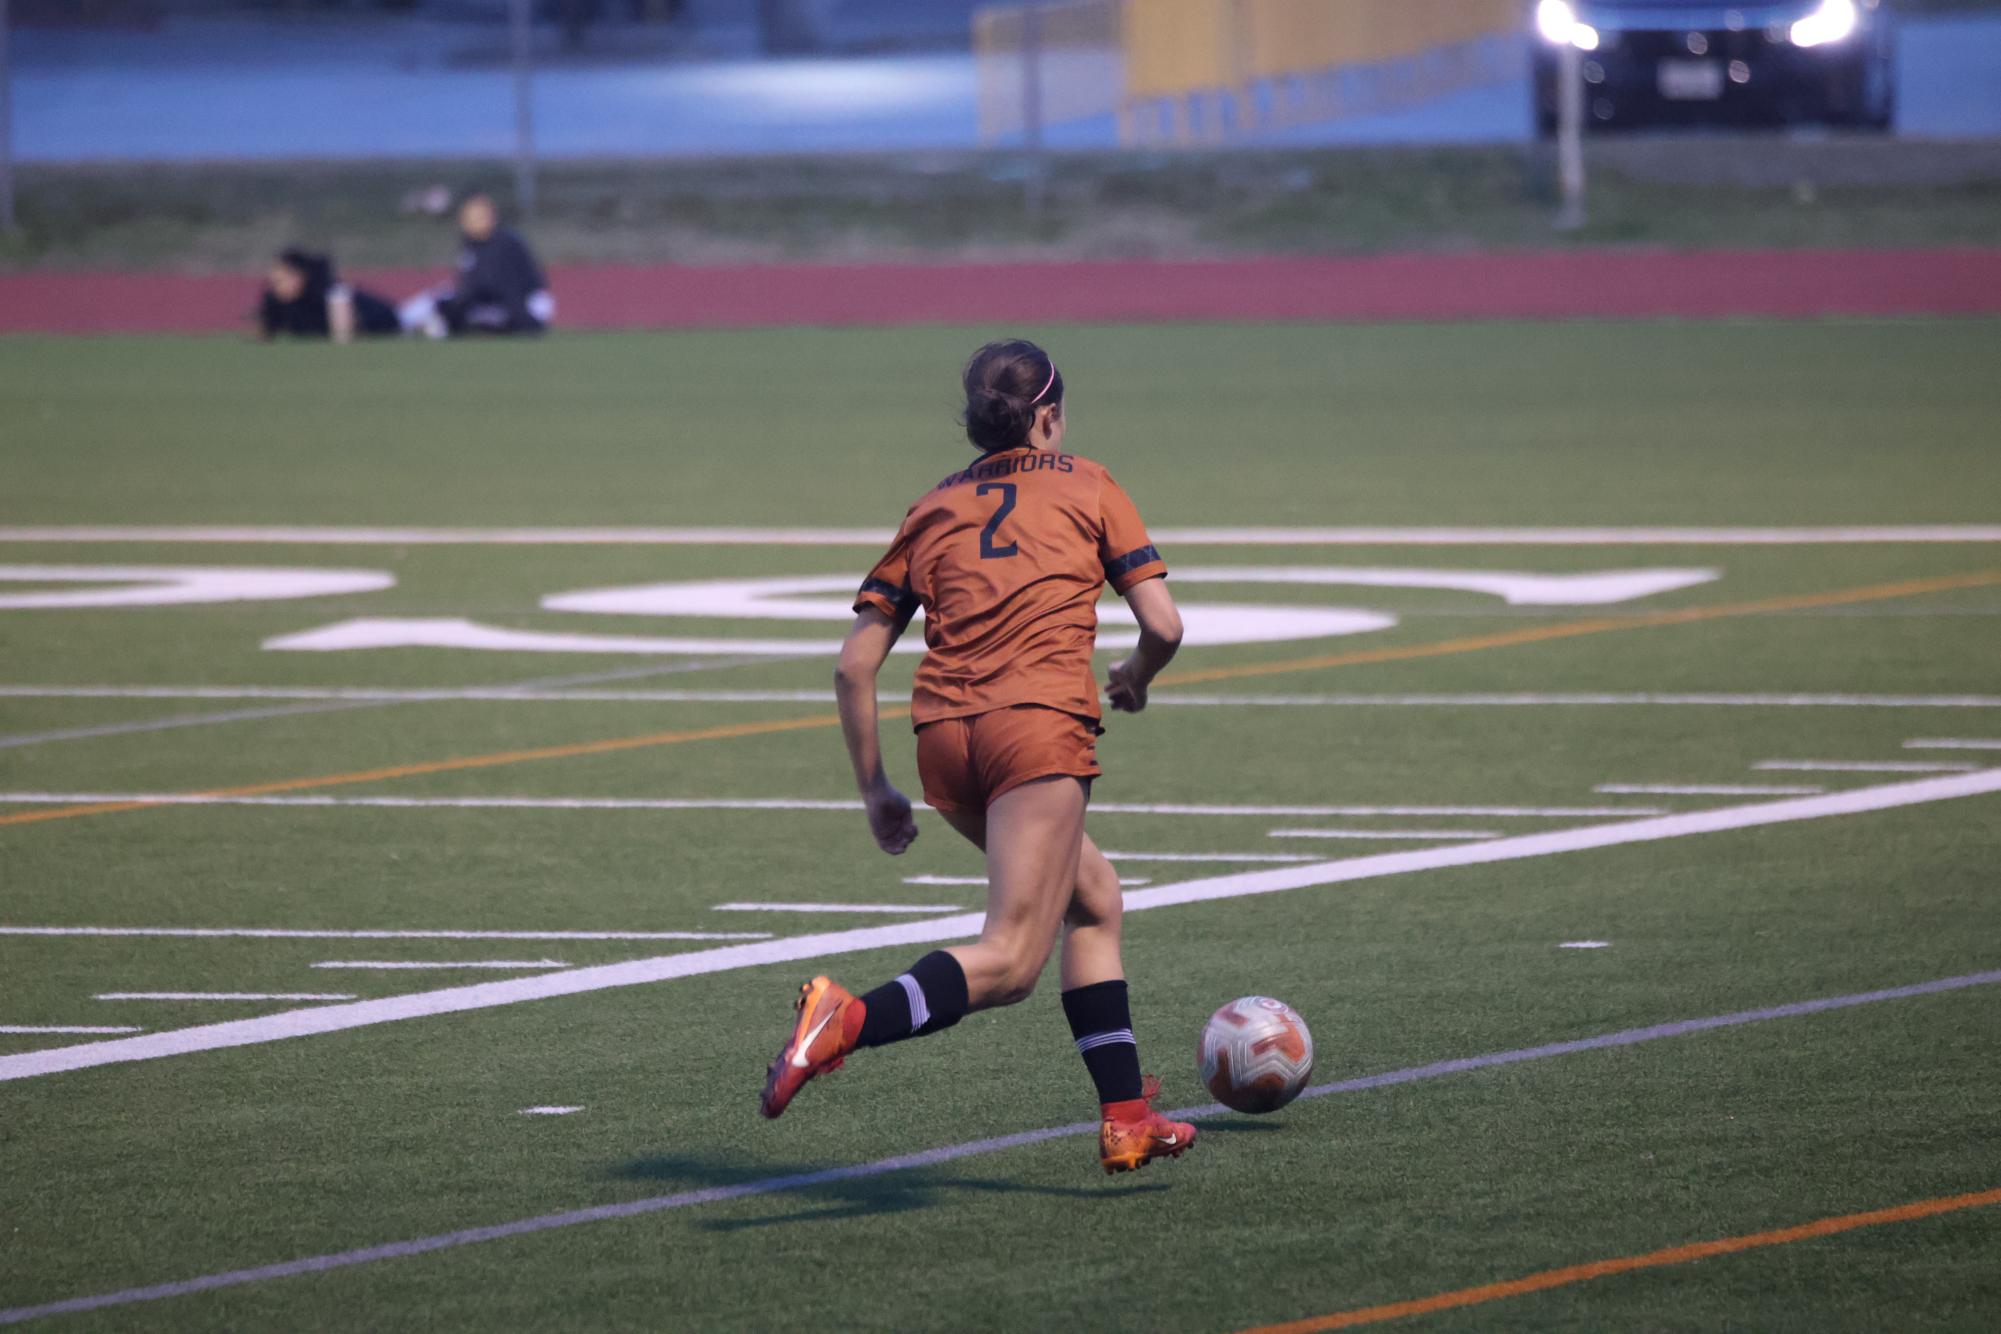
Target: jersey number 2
(990, 548)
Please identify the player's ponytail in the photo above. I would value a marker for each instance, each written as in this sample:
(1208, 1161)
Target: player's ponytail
(1006, 384)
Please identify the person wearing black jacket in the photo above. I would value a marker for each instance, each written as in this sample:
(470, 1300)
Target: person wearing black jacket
(304, 298)
(500, 288)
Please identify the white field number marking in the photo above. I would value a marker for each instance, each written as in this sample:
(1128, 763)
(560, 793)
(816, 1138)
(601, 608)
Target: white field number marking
(333, 535)
(786, 599)
(828, 598)
(176, 585)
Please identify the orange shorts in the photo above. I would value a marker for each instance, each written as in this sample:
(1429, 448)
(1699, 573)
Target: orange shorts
(966, 763)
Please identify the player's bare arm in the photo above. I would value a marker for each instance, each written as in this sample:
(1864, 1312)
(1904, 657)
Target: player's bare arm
(864, 651)
(1159, 639)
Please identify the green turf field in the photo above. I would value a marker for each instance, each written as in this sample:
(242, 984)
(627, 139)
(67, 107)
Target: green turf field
(1822, 671)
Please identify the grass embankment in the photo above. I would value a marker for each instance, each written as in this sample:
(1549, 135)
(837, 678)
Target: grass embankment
(1736, 191)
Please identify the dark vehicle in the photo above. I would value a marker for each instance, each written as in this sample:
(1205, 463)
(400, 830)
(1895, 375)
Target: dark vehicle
(1650, 62)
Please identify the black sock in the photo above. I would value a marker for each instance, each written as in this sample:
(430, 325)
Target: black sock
(928, 998)
(1102, 1023)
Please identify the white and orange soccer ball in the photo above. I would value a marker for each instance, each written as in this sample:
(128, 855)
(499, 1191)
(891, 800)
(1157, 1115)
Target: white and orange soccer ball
(1256, 1054)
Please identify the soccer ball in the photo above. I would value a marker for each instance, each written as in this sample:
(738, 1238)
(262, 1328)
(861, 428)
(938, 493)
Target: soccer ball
(1256, 1054)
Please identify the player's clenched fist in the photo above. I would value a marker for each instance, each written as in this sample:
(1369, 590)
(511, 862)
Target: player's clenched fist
(890, 820)
(1126, 688)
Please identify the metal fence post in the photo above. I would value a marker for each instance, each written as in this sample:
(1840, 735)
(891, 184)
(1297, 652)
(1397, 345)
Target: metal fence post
(6, 129)
(1570, 136)
(1031, 108)
(521, 17)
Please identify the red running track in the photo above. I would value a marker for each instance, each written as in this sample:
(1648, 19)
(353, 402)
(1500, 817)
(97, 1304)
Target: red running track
(1605, 284)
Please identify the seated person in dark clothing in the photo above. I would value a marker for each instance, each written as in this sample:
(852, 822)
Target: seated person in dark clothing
(305, 299)
(500, 287)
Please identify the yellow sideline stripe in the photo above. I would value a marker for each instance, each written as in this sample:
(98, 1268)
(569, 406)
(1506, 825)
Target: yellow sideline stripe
(1840, 597)
(1404, 653)
(1674, 1255)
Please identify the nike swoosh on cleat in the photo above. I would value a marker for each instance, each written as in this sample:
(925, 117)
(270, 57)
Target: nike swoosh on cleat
(1169, 1141)
(799, 1061)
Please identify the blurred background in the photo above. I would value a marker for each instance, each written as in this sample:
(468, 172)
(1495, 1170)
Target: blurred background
(202, 135)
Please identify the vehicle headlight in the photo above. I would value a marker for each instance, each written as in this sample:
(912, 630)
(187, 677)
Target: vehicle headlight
(1834, 21)
(1557, 21)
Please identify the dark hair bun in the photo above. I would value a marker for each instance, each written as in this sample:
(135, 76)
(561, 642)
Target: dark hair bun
(1006, 383)
(996, 419)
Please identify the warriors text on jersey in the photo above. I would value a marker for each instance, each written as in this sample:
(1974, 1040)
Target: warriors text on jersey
(1007, 559)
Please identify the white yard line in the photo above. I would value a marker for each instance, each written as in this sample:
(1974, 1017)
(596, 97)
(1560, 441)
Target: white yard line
(948, 1153)
(224, 996)
(787, 804)
(794, 949)
(549, 1111)
(288, 933)
(1708, 789)
(1211, 857)
(186, 720)
(1954, 743)
(1866, 766)
(337, 703)
(425, 965)
(324, 535)
(443, 803)
(980, 880)
(1585, 945)
(518, 694)
(25, 1029)
(1392, 835)
(1166, 696)
(841, 907)
(527, 695)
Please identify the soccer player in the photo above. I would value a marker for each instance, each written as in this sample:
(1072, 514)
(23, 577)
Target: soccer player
(304, 298)
(1007, 559)
(500, 287)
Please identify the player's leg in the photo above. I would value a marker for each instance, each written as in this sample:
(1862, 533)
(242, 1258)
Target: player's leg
(830, 1020)
(1092, 925)
(1033, 833)
(1096, 1002)
(1094, 987)
(421, 314)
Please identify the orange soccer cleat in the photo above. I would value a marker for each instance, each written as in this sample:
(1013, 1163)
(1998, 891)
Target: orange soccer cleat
(830, 1019)
(1133, 1134)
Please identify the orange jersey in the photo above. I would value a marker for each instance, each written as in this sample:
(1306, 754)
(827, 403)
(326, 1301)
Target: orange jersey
(1007, 559)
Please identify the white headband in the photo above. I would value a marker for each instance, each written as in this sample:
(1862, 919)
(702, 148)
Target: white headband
(1047, 387)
